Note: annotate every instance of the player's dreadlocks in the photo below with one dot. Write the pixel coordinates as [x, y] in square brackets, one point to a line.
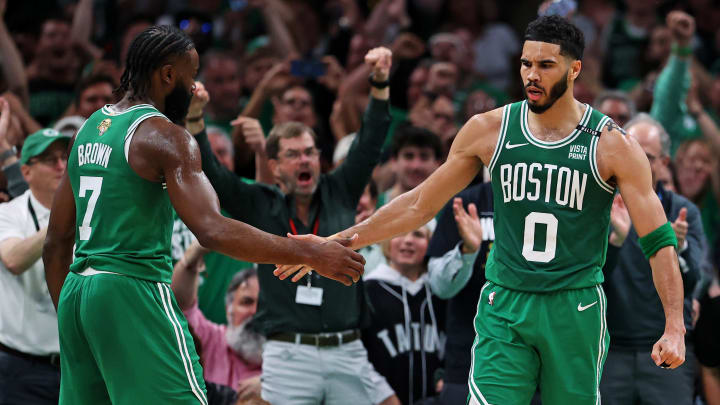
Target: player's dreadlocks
[148, 51]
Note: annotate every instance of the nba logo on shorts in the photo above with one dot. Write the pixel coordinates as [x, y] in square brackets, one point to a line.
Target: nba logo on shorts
[491, 298]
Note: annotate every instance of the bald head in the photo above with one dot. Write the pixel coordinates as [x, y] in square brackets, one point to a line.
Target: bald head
[654, 140]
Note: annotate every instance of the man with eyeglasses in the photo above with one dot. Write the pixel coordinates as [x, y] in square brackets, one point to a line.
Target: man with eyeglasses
[29, 346]
[314, 323]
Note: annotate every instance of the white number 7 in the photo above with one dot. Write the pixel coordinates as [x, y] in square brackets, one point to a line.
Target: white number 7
[93, 184]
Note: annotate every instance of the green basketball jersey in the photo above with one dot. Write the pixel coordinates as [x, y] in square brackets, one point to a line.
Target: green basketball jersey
[124, 222]
[552, 208]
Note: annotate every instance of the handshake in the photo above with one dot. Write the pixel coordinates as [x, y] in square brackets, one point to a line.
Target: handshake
[332, 258]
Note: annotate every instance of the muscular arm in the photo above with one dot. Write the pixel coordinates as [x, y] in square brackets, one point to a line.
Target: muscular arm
[475, 141]
[58, 249]
[621, 157]
[162, 150]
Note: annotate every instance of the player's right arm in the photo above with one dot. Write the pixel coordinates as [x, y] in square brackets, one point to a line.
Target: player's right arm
[162, 151]
[474, 144]
[57, 251]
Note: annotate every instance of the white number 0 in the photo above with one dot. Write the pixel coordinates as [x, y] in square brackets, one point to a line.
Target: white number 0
[548, 254]
[93, 184]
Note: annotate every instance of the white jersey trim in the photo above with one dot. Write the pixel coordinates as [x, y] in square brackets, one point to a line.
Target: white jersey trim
[501, 138]
[555, 144]
[109, 109]
[593, 159]
[133, 127]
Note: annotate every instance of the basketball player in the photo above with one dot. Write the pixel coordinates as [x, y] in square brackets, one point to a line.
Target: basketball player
[123, 338]
[555, 164]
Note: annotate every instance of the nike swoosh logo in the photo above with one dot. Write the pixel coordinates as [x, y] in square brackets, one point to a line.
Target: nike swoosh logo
[582, 308]
[517, 145]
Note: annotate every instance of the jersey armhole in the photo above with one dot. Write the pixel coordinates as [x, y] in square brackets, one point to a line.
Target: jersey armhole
[501, 138]
[593, 158]
[133, 127]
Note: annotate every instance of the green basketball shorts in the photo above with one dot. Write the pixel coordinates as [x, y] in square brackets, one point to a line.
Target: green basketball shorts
[125, 341]
[558, 340]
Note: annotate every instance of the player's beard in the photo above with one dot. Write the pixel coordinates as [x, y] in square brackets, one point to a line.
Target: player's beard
[557, 91]
[177, 104]
[245, 342]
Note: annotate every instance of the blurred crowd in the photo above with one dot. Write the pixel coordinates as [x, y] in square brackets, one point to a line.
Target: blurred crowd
[296, 131]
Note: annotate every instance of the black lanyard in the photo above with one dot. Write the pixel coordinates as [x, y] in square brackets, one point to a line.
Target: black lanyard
[33, 215]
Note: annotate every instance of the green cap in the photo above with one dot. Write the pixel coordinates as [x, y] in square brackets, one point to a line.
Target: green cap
[38, 142]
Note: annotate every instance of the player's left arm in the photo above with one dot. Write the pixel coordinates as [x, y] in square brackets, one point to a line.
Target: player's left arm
[620, 157]
[57, 251]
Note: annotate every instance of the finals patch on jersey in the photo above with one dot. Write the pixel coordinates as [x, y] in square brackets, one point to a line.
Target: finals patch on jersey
[104, 125]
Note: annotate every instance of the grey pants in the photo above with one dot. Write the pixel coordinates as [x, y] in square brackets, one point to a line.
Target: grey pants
[632, 378]
[27, 382]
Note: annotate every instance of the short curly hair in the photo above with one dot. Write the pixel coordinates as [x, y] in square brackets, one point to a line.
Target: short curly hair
[557, 30]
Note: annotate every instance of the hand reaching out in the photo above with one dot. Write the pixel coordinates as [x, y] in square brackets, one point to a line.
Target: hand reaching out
[682, 27]
[469, 225]
[334, 73]
[323, 265]
[5, 118]
[380, 60]
[199, 100]
[620, 221]
[252, 133]
[680, 226]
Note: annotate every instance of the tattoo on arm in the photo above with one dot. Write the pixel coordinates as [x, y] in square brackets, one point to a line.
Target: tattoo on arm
[612, 126]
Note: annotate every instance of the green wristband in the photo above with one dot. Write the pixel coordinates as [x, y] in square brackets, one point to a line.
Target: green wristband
[681, 50]
[663, 236]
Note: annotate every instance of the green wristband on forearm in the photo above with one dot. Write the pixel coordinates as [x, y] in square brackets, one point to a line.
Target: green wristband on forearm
[680, 50]
[663, 236]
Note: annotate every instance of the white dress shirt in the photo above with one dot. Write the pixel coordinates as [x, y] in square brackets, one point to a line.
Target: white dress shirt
[28, 321]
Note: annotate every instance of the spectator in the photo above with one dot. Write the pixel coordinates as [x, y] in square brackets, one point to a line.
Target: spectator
[29, 346]
[92, 93]
[406, 339]
[52, 72]
[616, 105]
[301, 318]
[221, 146]
[231, 354]
[456, 272]
[671, 88]
[696, 167]
[221, 77]
[634, 311]
[416, 153]
[626, 40]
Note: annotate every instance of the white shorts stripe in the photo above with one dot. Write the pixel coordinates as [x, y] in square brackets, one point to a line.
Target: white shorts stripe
[474, 390]
[601, 343]
[187, 362]
[184, 343]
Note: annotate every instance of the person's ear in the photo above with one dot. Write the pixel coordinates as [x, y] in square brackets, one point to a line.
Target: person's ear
[575, 68]
[274, 167]
[168, 75]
